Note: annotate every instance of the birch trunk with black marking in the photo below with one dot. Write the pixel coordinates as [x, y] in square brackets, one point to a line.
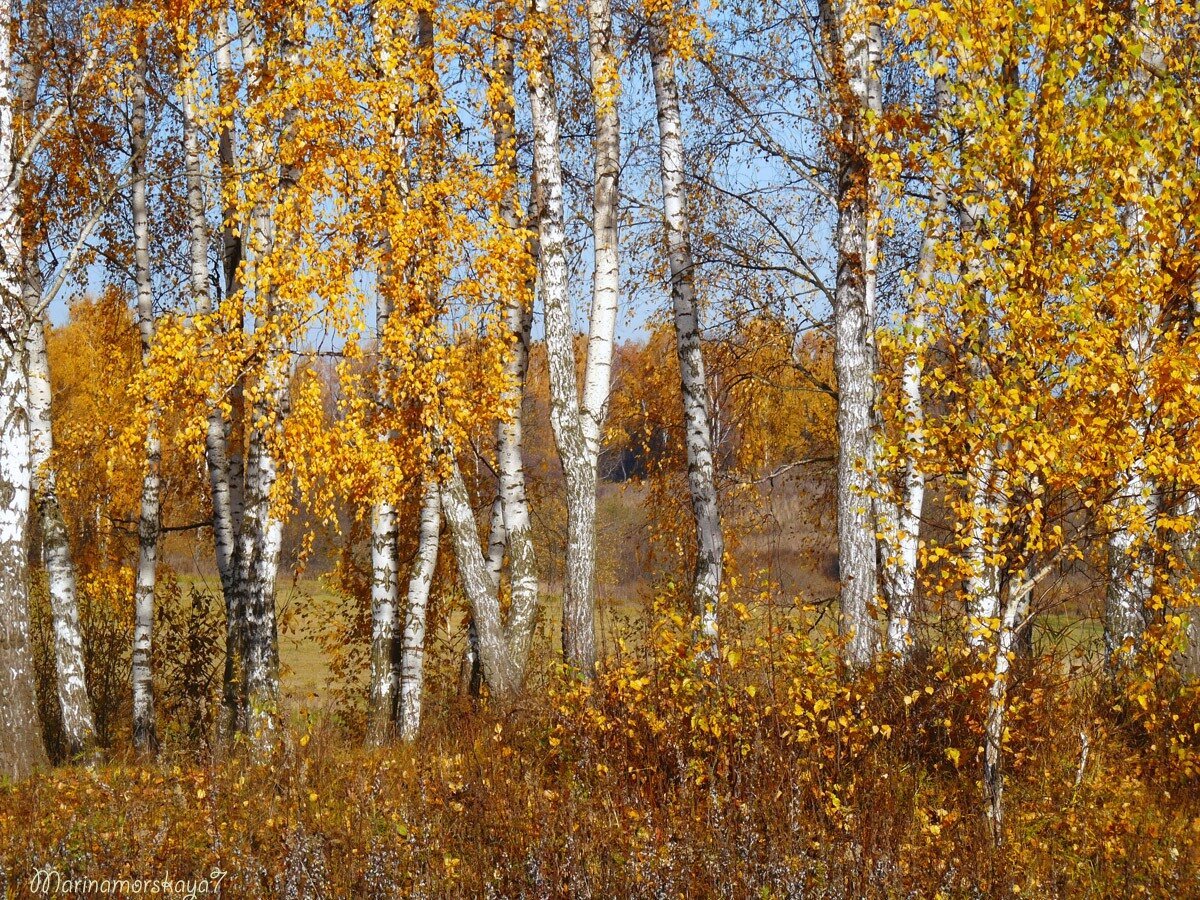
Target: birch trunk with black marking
[515, 521]
[70, 679]
[21, 746]
[901, 523]
[261, 538]
[983, 578]
[145, 736]
[381, 710]
[1014, 620]
[258, 560]
[420, 580]
[1016, 609]
[1133, 510]
[499, 672]
[576, 425]
[848, 54]
[222, 442]
[710, 540]
[1130, 565]
[79, 729]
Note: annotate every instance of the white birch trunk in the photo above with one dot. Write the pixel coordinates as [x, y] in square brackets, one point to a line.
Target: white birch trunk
[1015, 611]
[144, 731]
[510, 463]
[901, 523]
[1133, 510]
[710, 540]
[384, 590]
[567, 417]
[384, 674]
[606, 286]
[902, 527]
[258, 560]
[261, 537]
[216, 438]
[79, 727]
[983, 579]
[496, 541]
[76, 708]
[21, 746]
[420, 580]
[848, 53]
[383, 678]
[223, 438]
[499, 673]
[1130, 566]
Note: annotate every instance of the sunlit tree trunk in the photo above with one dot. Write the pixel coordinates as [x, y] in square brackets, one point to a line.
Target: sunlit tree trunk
[261, 537]
[384, 591]
[79, 728]
[216, 437]
[710, 540]
[499, 671]
[901, 521]
[576, 424]
[1016, 608]
[515, 522]
[261, 541]
[579, 627]
[144, 731]
[420, 580]
[74, 704]
[982, 586]
[1130, 565]
[848, 53]
[223, 437]
[1133, 510]
[21, 746]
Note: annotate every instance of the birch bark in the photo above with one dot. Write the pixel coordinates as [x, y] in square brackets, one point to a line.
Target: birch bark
[21, 747]
[499, 670]
[76, 708]
[1133, 510]
[710, 540]
[1016, 609]
[223, 437]
[384, 593]
[901, 522]
[420, 580]
[384, 675]
[145, 736]
[78, 722]
[576, 424]
[849, 52]
[515, 521]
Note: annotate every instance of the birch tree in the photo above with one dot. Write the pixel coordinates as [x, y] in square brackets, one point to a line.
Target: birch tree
[576, 422]
[75, 705]
[710, 538]
[1134, 507]
[850, 53]
[78, 721]
[145, 736]
[420, 580]
[386, 673]
[21, 747]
